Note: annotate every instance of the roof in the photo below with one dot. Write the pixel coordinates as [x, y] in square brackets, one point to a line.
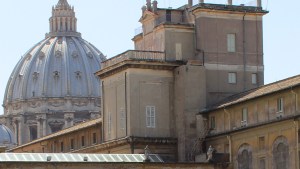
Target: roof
[258, 92]
[68, 158]
[225, 7]
[77, 127]
[6, 136]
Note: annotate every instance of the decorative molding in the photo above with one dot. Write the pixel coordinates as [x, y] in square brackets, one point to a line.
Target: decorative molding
[42, 55]
[16, 106]
[79, 103]
[69, 117]
[56, 123]
[97, 102]
[41, 117]
[34, 104]
[35, 75]
[75, 54]
[31, 122]
[58, 53]
[56, 103]
[90, 55]
[56, 74]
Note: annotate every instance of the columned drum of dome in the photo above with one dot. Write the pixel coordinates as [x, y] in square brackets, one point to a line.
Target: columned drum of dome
[53, 86]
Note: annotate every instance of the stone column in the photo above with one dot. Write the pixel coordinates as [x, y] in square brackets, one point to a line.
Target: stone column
[16, 129]
[41, 126]
[69, 119]
[19, 127]
[58, 24]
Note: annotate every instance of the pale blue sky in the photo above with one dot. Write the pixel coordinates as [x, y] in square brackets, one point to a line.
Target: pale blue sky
[110, 25]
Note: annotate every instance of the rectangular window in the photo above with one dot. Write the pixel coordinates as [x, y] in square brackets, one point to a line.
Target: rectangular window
[231, 42]
[122, 119]
[232, 78]
[82, 141]
[150, 116]
[280, 104]
[262, 163]
[245, 114]
[94, 138]
[61, 146]
[212, 122]
[254, 78]
[72, 144]
[261, 143]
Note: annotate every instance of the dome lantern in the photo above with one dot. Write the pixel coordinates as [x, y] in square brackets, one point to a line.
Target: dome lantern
[63, 21]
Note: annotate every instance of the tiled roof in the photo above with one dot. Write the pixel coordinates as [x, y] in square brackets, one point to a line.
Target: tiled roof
[258, 92]
[77, 127]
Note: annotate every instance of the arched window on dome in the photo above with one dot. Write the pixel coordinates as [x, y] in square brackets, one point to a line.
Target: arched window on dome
[281, 153]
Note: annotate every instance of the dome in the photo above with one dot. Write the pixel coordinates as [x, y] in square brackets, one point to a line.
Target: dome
[7, 138]
[60, 66]
[57, 67]
[53, 86]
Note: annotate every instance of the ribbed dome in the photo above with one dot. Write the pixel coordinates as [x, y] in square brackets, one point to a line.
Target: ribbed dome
[6, 136]
[56, 67]
[60, 67]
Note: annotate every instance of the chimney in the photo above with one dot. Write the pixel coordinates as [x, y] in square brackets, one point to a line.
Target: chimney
[154, 6]
[148, 5]
[201, 1]
[258, 3]
[229, 2]
[190, 3]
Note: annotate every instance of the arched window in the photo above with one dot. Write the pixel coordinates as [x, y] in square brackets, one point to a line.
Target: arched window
[244, 158]
[281, 153]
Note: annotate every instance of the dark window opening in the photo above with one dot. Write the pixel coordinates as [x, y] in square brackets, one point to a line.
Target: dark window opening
[94, 138]
[61, 146]
[33, 132]
[82, 141]
[72, 144]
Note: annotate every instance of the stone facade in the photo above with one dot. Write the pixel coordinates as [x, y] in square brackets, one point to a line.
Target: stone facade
[184, 61]
[258, 128]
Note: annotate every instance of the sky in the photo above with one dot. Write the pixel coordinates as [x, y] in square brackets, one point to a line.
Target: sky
[110, 25]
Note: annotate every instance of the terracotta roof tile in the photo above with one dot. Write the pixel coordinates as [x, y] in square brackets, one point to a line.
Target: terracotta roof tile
[64, 131]
[257, 92]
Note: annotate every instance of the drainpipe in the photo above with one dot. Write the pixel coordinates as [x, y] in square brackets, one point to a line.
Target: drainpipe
[103, 109]
[230, 151]
[228, 136]
[296, 96]
[244, 50]
[126, 112]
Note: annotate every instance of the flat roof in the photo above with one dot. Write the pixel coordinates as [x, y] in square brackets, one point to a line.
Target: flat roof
[74, 158]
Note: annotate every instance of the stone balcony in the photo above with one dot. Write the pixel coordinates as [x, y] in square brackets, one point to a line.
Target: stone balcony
[134, 55]
[137, 58]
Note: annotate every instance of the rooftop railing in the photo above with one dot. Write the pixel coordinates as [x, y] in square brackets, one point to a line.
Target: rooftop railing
[135, 55]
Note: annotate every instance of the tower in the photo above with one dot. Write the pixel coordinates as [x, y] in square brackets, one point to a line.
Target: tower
[185, 60]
